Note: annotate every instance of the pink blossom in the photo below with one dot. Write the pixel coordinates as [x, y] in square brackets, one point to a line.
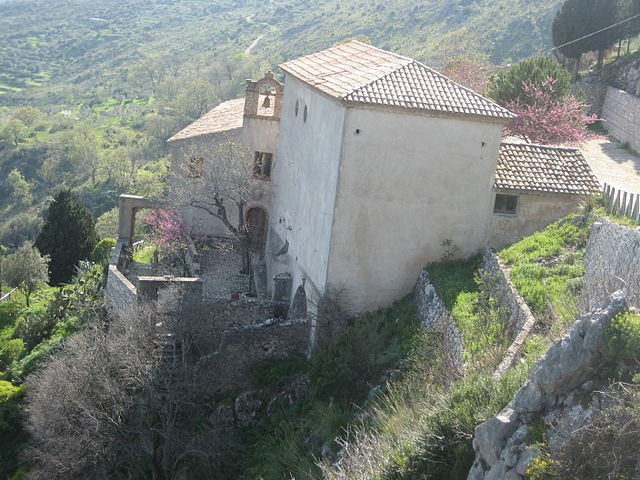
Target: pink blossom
[542, 119]
[168, 226]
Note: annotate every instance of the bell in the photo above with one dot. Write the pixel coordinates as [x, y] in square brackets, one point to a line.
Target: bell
[267, 102]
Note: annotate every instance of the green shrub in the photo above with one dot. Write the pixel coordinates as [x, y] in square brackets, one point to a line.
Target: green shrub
[623, 336]
[10, 350]
[9, 312]
[101, 254]
[34, 327]
[9, 396]
[12, 436]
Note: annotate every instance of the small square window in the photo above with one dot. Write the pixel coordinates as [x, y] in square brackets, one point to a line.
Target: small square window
[505, 204]
[195, 166]
[262, 164]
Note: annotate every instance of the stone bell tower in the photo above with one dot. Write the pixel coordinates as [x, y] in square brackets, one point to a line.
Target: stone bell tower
[263, 99]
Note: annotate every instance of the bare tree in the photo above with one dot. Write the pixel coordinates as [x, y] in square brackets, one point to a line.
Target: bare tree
[121, 402]
[216, 178]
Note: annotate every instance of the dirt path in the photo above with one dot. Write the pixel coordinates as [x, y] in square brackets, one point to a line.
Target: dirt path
[253, 45]
[613, 164]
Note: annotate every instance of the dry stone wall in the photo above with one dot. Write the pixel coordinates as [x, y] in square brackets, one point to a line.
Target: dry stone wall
[612, 262]
[434, 315]
[495, 278]
[621, 110]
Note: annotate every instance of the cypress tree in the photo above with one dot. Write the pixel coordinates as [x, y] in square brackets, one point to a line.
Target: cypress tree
[578, 18]
[67, 236]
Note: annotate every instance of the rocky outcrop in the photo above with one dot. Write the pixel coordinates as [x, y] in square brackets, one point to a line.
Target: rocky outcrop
[623, 74]
[570, 370]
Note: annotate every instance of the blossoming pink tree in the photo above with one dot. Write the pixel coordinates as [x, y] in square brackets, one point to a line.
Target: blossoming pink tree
[545, 120]
[168, 226]
[169, 233]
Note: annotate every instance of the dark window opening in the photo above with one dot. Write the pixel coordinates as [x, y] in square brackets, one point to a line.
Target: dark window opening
[505, 204]
[195, 166]
[262, 164]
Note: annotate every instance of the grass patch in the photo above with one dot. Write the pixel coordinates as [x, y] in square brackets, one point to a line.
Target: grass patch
[451, 279]
[547, 268]
[145, 254]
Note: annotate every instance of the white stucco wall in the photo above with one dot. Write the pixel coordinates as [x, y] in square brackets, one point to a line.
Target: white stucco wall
[407, 183]
[533, 213]
[305, 178]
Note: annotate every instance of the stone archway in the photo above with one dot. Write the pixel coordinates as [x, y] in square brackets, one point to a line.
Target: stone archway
[299, 305]
[256, 222]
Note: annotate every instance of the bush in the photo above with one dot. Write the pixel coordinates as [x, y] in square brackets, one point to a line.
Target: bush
[21, 228]
[10, 350]
[101, 254]
[606, 446]
[12, 437]
[507, 86]
[623, 336]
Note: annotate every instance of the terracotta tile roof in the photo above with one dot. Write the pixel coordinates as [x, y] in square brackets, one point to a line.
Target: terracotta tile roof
[362, 74]
[542, 168]
[226, 116]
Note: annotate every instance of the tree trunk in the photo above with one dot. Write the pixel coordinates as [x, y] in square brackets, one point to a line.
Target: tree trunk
[619, 47]
[244, 251]
[576, 68]
[244, 238]
[600, 58]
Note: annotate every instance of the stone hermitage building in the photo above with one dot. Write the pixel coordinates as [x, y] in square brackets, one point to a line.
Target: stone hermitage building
[372, 165]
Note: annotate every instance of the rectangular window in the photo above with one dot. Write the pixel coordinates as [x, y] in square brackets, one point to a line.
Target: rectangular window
[195, 166]
[262, 164]
[505, 204]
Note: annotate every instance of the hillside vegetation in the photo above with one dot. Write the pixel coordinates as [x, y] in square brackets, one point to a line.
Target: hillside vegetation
[51, 47]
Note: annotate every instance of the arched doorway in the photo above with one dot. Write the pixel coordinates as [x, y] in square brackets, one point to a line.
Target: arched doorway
[299, 305]
[257, 226]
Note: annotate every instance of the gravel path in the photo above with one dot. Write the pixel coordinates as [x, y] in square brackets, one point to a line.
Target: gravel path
[613, 164]
[220, 273]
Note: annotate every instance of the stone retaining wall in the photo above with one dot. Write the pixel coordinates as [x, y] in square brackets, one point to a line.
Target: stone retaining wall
[434, 315]
[495, 277]
[594, 95]
[621, 110]
[612, 262]
[120, 293]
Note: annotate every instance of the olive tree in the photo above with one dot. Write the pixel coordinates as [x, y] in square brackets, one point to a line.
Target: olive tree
[26, 269]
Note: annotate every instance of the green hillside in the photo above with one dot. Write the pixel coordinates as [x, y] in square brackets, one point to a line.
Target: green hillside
[49, 48]
[113, 79]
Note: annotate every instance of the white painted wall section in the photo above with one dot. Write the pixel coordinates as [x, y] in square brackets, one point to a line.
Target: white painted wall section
[408, 182]
[305, 179]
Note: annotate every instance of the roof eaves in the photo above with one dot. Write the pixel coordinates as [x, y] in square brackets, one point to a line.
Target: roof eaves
[204, 134]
